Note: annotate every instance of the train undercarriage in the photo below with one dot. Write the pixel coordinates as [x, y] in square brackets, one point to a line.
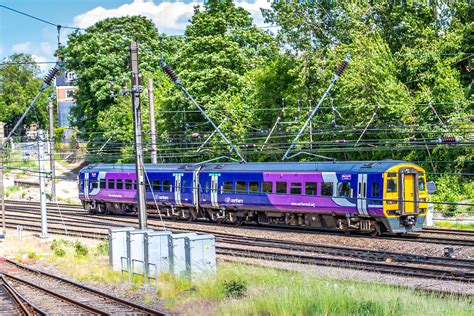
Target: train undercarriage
[348, 224]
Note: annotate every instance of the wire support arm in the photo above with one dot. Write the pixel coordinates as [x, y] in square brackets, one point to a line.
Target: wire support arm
[316, 108]
[174, 78]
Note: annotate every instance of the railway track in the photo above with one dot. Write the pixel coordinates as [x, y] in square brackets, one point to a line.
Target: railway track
[67, 209]
[13, 303]
[56, 295]
[263, 248]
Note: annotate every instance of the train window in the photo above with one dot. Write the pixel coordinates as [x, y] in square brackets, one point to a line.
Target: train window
[183, 185]
[375, 189]
[207, 186]
[344, 189]
[95, 185]
[421, 184]
[128, 184]
[281, 187]
[311, 188]
[111, 184]
[102, 183]
[119, 184]
[147, 186]
[391, 185]
[134, 185]
[167, 187]
[156, 185]
[295, 188]
[327, 189]
[227, 187]
[392, 175]
[241, 187]
[267, 187]
[253, 187]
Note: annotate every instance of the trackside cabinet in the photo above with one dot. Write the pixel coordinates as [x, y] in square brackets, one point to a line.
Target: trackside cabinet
[200, 254]
[136, 250]
[178, 260]
[118, 246]
[158, 251]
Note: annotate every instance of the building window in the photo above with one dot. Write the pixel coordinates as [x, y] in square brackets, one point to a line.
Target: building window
[69, 94]
[311, 188]
[327, 189]
[281, 187]
[71, 75]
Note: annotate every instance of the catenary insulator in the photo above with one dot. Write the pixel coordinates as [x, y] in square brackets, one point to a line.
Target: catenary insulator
[342, 67]
[169, 71]
[52, 73]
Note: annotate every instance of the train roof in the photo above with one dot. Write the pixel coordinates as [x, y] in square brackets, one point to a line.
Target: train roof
[346, 166]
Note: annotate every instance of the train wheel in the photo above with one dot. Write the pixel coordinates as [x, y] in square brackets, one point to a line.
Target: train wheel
[376, 232]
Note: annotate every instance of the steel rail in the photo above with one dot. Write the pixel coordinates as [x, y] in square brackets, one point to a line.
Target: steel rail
[415, 238]
[352, 264]
[134, 306]
[25, 305]
[364, 254]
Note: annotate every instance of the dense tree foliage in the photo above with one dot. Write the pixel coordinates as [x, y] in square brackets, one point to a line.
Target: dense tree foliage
[411, 63]
[19, 83]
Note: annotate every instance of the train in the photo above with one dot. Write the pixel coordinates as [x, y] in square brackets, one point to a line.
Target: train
[371, 197]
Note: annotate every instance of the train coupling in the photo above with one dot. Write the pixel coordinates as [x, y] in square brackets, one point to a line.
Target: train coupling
[408, 221]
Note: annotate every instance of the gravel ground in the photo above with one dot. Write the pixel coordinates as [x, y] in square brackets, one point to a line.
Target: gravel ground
[416, 247]
[356, 275]
[29, 241]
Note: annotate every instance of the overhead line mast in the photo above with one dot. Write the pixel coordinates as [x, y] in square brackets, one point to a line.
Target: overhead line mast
[174, 78]
[316, 108]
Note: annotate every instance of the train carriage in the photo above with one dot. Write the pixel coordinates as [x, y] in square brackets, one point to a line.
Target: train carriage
[372, 197]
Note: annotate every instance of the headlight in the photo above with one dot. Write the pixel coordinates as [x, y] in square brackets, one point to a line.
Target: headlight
[423, 200]
[391, 202]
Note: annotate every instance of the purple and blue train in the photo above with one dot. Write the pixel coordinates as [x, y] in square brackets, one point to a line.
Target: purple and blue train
[371, 196]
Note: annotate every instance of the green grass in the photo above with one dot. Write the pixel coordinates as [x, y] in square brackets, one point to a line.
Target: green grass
[10, 190]
[240, 289]
[277, 292]
[456, 225]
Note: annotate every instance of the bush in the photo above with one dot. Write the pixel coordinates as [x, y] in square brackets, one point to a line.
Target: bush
[234, 288]
[103, 248]
[59, 252]
[80, 249]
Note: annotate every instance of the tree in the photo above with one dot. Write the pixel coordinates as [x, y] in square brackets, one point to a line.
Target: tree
[221, 47]
[19, 83]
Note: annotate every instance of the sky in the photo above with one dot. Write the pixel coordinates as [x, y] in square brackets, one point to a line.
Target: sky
[21, 34]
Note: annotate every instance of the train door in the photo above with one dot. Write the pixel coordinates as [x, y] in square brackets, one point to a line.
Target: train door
[214, 189]
[196, 187]
[86, 186]
[362, 194]
[177, 188]
[409, 192]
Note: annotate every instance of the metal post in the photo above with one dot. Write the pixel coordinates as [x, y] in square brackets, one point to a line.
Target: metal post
[137, 128]
[2, 189]
[41, 174]
[316, 108]
[310, 127]
[51, 150]
[151, 107]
